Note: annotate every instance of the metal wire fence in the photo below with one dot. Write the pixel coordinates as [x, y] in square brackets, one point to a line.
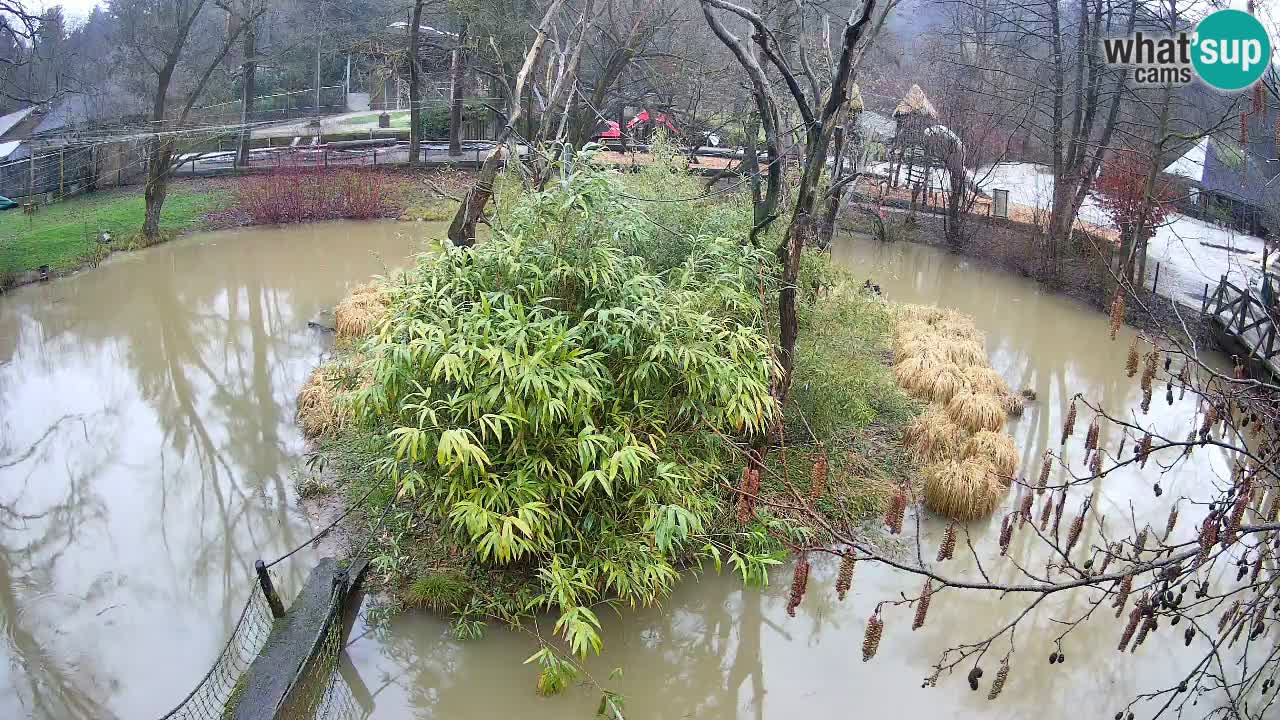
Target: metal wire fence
[320, 690]
[218, 689]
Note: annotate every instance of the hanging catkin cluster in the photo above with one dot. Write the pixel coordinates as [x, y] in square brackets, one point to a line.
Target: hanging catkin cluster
[948, 548]
[1091, 437]
[1095, 464]
[1210, 419]
[1045, 513]
[1131, 364]
[747, 499]
[844, 580]
[799, 583]
[1148, 625]
[1044, 474]
[1135, 616]
[897, 511]
[1117, 312]
[1073, 535]
[922, 606]
[1006, 535]
[818, 476]
[1237, 511]
[1173, 520]
[1024, 509]
[1122, 594]
[997, 685]
[1143, 451]
[1149, 370]
[871, 641]
[1069, 424]
[1057, 511]
[1208, 535]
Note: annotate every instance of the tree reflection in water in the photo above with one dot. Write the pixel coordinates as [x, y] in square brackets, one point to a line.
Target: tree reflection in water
[130, 529]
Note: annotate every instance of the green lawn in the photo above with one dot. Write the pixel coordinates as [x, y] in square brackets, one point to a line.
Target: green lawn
[61, 235]
[399, 119]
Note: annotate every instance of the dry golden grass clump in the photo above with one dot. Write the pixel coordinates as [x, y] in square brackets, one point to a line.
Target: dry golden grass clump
[359, 313]
[933, 436]
[1014, 405]
[975, 411]
[940, 359]
[319, 410]
[322, 407]
[963, 489]
[996, 447]
[964, 353]
[945, 384]
[983, 379]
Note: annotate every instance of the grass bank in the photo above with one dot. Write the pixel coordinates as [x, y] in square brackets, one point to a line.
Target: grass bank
[64, 235]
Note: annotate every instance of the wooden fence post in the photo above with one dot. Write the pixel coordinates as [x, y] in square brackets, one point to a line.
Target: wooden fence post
[269, 589]
[61, 173]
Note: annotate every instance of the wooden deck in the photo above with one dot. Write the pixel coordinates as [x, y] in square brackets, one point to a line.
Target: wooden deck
[1244, 325]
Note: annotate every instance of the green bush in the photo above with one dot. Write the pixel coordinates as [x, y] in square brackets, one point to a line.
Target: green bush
[557, 404]
[435, 118]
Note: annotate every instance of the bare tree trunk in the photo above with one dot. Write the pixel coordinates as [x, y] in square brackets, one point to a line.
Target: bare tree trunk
[415, 102]
[457, 70]
[157, 188]
[827, 228]
[462, 230]
[162, 147]
[248, 92]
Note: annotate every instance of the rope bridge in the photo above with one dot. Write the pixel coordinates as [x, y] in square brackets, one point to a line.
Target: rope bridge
[287, 664]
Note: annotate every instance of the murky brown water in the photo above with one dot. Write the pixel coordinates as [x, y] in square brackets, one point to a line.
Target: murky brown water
[146, 444]
[145, 457]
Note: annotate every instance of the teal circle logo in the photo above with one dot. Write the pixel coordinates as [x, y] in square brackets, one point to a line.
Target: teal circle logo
[1232, 50]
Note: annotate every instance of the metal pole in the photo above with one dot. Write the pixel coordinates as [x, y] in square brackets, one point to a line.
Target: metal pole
[318, 36]
[269, 589]
[1156, 282]
[61, 172]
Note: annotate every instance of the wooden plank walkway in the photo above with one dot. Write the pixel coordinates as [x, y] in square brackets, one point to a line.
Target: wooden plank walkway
[1244, 325]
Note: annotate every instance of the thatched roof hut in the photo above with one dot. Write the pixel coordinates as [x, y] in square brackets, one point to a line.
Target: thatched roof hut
[915, 103]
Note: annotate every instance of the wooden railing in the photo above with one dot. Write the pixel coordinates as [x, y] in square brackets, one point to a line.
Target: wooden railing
[1243, 315]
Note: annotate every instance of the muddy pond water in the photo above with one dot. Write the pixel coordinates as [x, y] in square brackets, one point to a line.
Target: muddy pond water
[147, 452]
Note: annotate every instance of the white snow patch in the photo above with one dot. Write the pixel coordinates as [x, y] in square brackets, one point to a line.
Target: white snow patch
[1183, 246]
[1190, 165]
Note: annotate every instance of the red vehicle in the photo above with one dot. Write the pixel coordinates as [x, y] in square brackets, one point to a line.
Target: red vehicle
[639, 128]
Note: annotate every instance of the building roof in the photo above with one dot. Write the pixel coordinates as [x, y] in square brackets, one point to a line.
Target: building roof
[915, 103]
[7, 122]
[874, 125]
[1190, 165]
[71, 110]
[1240, 174]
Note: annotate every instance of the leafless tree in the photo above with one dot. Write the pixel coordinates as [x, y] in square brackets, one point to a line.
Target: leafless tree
[157, 35]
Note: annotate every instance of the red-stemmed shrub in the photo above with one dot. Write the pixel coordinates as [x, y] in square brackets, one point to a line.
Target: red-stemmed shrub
[300, 194]
[1121, 190]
